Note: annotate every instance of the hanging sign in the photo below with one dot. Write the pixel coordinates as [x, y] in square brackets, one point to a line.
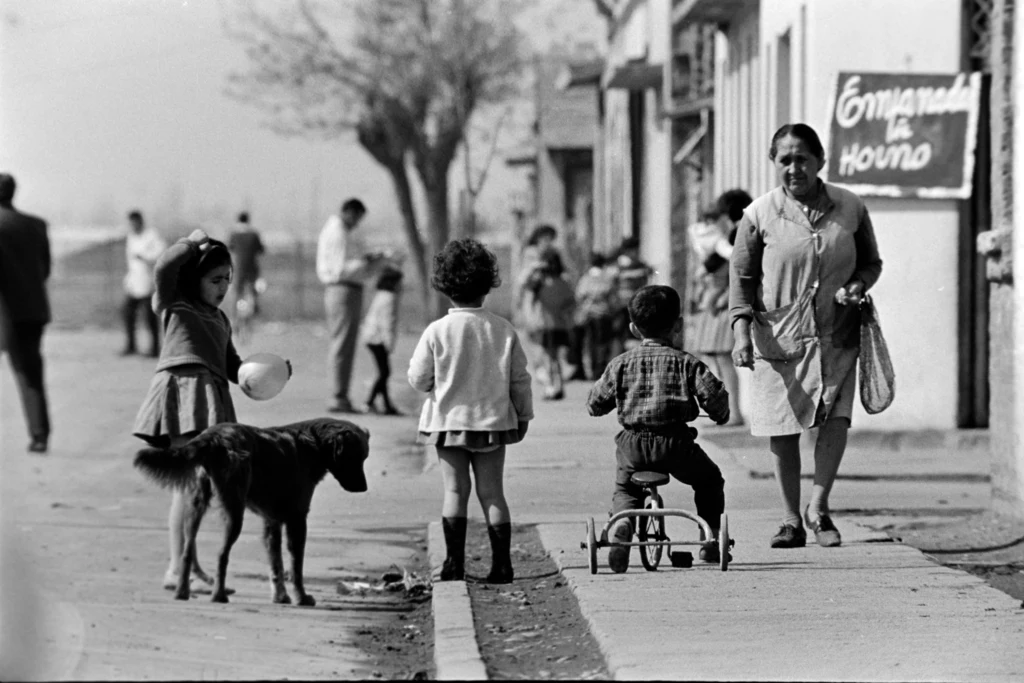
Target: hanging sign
[904, 135]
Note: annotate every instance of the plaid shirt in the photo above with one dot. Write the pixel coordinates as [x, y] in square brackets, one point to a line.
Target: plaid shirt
[657, 388]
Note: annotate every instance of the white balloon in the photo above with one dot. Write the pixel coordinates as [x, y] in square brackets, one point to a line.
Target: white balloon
[262, 376]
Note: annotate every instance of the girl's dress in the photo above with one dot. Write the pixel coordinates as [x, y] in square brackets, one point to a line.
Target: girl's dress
[711, 332]
[189, 391]
[472, 367]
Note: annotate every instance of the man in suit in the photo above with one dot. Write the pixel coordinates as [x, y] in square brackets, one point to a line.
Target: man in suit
[25, 307]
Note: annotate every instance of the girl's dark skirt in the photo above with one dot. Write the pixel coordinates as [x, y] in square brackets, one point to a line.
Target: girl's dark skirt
[181, 401]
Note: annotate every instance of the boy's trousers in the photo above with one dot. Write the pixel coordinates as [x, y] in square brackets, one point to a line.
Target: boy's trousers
[674, 454]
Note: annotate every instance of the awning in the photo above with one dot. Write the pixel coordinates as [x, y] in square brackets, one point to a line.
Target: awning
[710, 11]
[580, 75]
[633, 75]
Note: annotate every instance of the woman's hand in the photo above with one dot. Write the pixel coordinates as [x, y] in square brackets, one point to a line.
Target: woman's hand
[851, 293]
[743, 347]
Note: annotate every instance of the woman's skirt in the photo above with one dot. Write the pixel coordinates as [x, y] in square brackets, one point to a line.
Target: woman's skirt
[181, 401]
[475, 441]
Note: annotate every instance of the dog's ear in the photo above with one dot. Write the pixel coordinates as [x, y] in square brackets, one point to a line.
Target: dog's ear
[351, 448]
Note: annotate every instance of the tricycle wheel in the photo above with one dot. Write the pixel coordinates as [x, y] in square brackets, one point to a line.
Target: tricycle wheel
[591, 546]
[723, 543]
[651, 529]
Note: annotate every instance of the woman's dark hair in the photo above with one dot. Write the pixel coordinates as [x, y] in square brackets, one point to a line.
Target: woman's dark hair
[732, 202]
[801, 131]
[629, 243]
[353, 205]
[552, 261]
[465, 271]
[654, 309]
[389, 279]
[215, 254]
[541, 231]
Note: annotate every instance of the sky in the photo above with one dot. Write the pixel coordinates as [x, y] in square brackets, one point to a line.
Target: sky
[110, 105]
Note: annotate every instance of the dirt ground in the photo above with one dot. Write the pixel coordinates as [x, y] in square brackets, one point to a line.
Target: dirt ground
[403, 647]
[981, 543]
[531, 629]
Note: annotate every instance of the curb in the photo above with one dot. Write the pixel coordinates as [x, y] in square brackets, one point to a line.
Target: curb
[456, 655]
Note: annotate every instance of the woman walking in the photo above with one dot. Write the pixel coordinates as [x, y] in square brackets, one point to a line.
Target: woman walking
[805, 254]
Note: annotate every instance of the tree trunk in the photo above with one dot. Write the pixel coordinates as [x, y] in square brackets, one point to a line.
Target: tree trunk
[438, 226]
[403, 191]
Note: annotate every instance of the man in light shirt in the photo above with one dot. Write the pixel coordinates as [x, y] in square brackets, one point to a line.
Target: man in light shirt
[342, 267]
[142, 248]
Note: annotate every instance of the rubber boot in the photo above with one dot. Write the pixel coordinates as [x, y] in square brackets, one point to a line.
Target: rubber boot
[501, 553]
[454, 567]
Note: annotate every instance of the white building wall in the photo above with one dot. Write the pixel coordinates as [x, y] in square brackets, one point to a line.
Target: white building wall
[655, 232]
[918, 239]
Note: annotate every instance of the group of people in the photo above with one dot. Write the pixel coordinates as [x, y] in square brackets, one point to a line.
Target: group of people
[143, 246]
[803, 256]
[579, 327]
[800, 259]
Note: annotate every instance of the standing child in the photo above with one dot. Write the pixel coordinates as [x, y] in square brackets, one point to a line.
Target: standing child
[380, 329]
[473, 369]
[548, 307]
[190, 389]
[596, 305]
[657, 388]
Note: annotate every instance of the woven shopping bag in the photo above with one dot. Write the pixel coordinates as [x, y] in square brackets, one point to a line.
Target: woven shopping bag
[877, 379]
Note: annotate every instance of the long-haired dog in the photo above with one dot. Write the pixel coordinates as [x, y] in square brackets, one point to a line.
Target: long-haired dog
[271, 471]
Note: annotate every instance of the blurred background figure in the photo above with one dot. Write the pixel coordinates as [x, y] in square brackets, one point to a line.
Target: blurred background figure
[631, 274]
[143, 247]
[380, 330]
[711, 331]
[245, 246]
[548, 305]
[342, 267]
[596, 305]
[25, 308]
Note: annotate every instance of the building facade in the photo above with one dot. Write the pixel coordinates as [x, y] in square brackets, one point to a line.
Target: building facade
[951, 319]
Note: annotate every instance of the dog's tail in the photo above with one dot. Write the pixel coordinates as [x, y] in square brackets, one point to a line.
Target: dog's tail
[169, 467]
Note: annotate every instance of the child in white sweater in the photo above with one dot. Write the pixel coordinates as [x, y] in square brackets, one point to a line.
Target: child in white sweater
[472, 366]
[379, 332]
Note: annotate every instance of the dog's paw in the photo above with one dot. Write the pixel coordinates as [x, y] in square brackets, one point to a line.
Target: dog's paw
[219, 597]
[282, 599]
[307, 601]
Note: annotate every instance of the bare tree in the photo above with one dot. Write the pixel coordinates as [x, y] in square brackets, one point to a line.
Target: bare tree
[405, 75]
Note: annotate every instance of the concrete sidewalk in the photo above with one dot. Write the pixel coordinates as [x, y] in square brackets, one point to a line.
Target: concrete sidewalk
[869, 610]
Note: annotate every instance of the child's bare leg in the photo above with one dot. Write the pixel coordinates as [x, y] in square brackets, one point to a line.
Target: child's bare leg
[457, 487]
[489, 473]
[176, 533]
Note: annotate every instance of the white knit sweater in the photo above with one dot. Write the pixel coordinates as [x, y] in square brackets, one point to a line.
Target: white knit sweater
[472, 366]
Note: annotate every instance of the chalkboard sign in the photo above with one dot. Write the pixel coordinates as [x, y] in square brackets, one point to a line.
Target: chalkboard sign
[904, 135]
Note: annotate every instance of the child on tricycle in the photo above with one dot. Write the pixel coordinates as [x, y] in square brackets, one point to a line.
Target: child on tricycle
[658, 389]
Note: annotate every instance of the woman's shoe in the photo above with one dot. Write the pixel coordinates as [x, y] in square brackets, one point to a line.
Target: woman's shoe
[789, 536]
[825, 532]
